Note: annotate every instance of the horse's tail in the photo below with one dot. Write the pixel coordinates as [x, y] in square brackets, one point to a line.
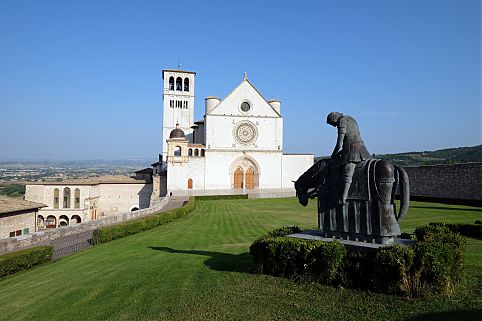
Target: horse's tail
[404, 188]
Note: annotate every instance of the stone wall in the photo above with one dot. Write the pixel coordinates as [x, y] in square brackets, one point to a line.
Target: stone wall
[457, 181]
[45, 237]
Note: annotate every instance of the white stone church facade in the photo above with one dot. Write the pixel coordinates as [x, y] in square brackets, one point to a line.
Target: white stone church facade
[237, 145]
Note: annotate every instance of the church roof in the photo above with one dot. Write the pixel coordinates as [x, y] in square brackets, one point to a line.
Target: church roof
[11, 204]
[177, 132]
[245, 79]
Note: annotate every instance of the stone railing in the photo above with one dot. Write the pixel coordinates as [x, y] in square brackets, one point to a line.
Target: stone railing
[46, 237]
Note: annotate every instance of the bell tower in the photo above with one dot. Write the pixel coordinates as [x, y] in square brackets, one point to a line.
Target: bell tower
[178, 104]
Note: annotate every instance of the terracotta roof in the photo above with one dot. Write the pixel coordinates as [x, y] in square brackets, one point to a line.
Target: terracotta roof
[118, 179]
[10, 204]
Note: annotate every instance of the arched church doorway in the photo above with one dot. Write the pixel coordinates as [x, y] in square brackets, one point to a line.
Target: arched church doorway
[244, 172]
[238, 178]
[189, 183]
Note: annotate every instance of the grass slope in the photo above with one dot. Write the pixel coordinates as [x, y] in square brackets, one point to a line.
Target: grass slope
[197, 268]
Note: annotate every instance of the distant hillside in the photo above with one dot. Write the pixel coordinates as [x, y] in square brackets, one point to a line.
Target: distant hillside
[442, 156]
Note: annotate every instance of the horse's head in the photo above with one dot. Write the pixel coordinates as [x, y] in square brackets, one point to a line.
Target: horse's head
[301, 192]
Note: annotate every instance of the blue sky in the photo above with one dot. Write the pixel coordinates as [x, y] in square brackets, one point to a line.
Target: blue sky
[81, 79]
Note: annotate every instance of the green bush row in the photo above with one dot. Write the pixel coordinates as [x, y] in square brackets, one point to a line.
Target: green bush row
[11, 263]
[110, 233]
[222, 197]
[470, 230]
[432, 266]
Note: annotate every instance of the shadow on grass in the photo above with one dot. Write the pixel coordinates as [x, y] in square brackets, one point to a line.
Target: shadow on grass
[448, 208]
[217, 261]
[457, 315]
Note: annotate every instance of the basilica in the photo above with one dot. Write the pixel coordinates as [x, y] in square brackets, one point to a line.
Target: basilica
[238, 144]
[237, 147]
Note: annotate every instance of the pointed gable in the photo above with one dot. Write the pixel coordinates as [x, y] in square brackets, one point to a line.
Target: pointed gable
[245, 92]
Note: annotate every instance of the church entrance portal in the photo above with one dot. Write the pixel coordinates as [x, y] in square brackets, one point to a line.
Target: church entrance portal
[244, 173]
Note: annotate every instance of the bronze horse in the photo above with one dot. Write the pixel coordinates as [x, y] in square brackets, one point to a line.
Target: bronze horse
[370, 211]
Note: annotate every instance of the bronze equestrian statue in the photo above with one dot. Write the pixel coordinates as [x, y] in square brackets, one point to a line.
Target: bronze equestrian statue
[355, 192]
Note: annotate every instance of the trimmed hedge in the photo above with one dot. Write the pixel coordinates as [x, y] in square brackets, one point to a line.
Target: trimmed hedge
[431, 267]
[222, 197]
[469, 230]
[110, 233]
[14, 262]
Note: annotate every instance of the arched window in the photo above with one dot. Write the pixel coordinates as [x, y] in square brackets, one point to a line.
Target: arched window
[189, 152]
[177, 151]
[66, 197]
[63, 220]
[40, 221]
[56, 198]
[179, 83]
[77, 198]
[202, 152]
[171, 83]
[196, 152]
[51, 221]
[186, 84]
[75, 219]
[189, 183]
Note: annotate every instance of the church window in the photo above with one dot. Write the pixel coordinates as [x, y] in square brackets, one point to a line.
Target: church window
[196, 152]
[171, 103]
[171, 83]
[77, 198]
[186, 84]
[245, 106]
[66, 198]
[202, 152]
[179, 84]
[56, 198]
[189, 183]
[177, 151]
[187, 104]
[189, 152]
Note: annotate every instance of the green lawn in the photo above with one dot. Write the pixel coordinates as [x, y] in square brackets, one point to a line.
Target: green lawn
[197, 268]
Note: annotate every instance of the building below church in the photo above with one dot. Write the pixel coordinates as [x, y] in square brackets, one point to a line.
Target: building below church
[74, 201]
[238, 145]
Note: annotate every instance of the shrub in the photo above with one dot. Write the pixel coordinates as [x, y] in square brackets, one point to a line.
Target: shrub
[277, 255]
[470, 230]
[439, 258]
[110, 233]
[392, 269]
[432, 266]
[222, 197]
[25, 259]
